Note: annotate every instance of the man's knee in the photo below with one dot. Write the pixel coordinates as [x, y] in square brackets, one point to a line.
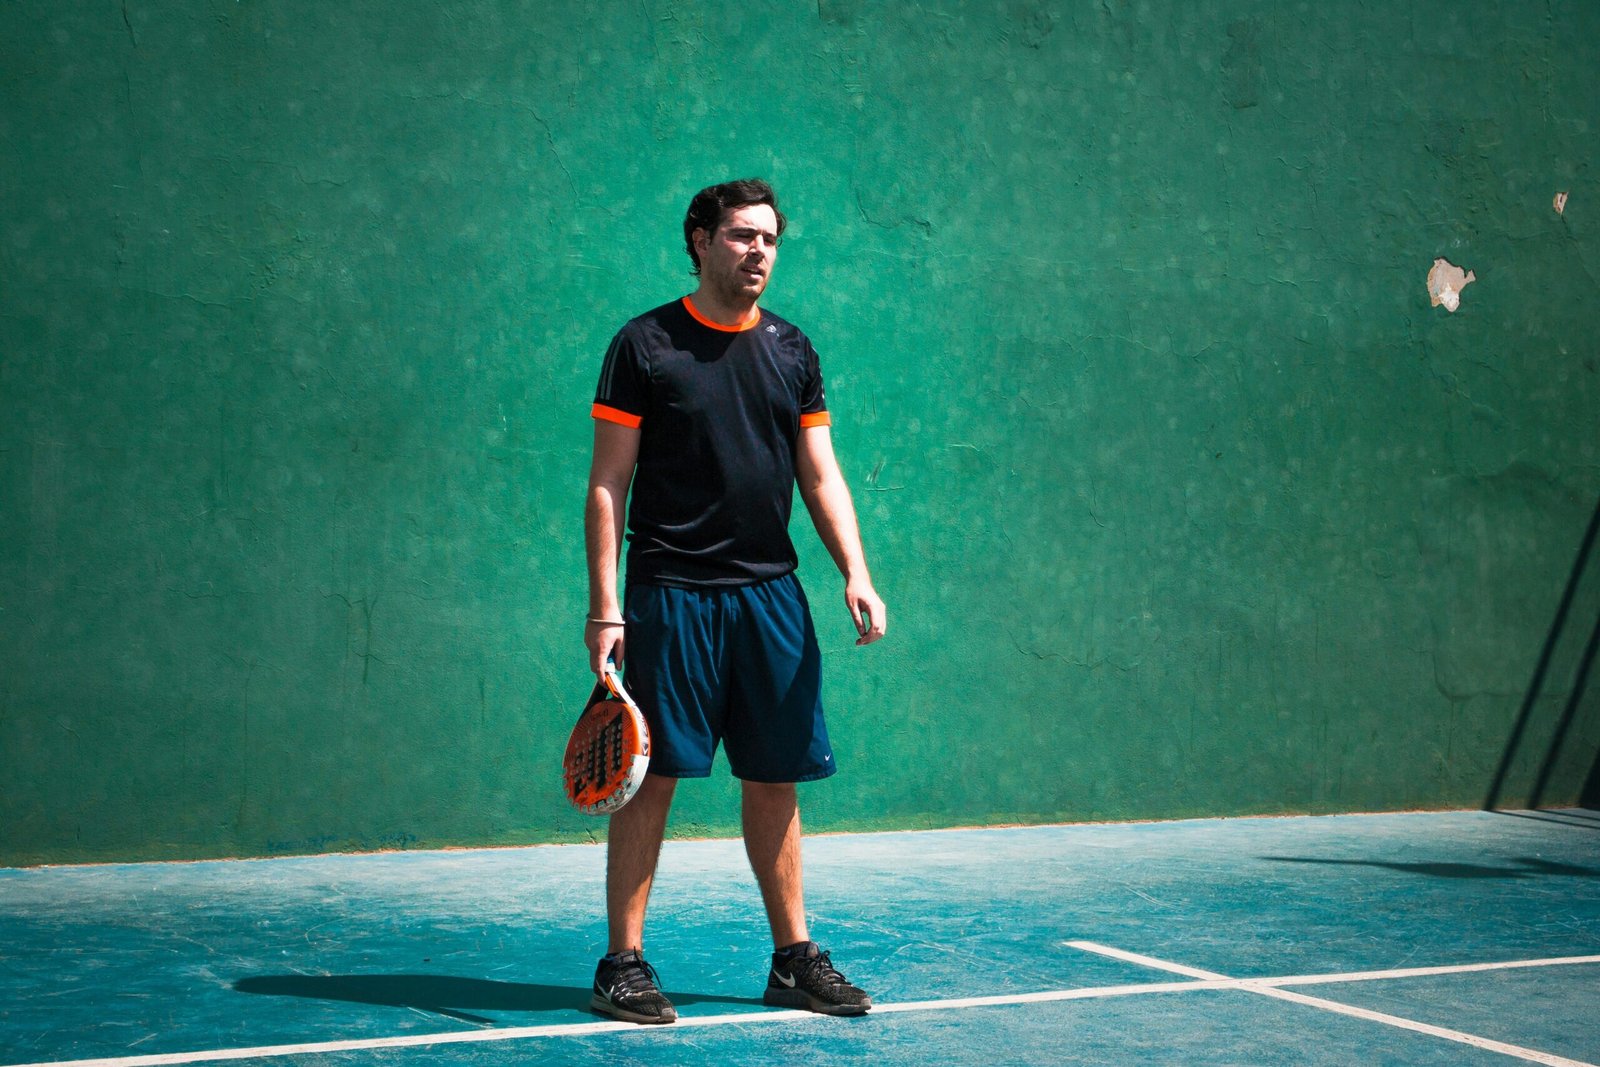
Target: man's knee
[770, 795]
[657, 786]
[650, 804]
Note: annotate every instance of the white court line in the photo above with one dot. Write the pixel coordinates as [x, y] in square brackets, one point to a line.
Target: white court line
[1331, 978]
[1421, 972]
[1200, 980]
[1269, 987]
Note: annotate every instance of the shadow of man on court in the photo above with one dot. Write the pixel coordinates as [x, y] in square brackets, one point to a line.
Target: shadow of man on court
[457, 998]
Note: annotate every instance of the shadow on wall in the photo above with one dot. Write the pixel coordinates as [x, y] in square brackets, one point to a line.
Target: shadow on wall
[1589, 795]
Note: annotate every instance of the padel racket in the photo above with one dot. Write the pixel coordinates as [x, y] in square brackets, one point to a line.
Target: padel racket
[609, 749]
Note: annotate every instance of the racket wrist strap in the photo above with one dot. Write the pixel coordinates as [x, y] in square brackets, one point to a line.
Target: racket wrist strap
[605, 622]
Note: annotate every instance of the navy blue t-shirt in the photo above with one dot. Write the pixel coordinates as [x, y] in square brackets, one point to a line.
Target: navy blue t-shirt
[719, 410]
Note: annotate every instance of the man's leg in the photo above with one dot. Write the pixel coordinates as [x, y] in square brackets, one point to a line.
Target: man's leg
[632, 849]
[776, 731]
[625, 986]
[802, 976]
[772, 841]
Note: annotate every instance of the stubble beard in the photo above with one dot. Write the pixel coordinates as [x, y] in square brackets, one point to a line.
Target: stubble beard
[735, 288]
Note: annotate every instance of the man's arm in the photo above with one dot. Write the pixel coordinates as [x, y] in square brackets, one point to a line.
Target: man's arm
[616, 450]
[827, 498]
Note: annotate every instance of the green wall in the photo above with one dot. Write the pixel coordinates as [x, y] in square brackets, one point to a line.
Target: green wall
[1184, 499]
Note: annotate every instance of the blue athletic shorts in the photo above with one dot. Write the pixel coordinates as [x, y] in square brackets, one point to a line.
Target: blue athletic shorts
[737, 665]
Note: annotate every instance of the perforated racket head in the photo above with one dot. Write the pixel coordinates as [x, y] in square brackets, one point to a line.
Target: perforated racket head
[609, 750]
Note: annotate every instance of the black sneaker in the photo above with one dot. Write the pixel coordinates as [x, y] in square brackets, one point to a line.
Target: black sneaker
[625, 988]
[808, 980]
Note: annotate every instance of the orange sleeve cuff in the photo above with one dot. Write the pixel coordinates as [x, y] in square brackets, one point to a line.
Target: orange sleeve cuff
[816, 418]
[621, 418]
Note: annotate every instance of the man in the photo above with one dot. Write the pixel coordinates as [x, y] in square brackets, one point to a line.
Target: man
[713, 410]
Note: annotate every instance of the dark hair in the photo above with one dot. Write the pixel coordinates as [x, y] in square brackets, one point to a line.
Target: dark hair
[711, 205]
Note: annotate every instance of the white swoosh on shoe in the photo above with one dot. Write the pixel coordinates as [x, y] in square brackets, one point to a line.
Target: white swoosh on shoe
[785, 979]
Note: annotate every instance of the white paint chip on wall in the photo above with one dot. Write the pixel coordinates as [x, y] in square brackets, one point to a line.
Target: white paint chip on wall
[1445, 282]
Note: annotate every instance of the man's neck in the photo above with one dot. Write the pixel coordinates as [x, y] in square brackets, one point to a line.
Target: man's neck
[720, 311]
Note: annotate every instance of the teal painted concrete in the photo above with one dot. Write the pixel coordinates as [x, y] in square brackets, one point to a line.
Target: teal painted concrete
[1184, 498]
[146, 959]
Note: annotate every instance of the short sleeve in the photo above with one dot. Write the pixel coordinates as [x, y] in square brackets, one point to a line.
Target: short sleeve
[813, 404]
[622, 394]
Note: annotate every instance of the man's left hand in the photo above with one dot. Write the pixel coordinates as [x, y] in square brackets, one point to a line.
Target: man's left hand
[866, 610]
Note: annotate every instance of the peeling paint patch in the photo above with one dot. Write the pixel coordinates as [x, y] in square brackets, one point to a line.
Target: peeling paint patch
[1241, 65]
[1445, 282]
[1560, 203]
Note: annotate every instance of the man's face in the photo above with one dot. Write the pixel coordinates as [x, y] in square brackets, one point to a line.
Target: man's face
[736, 260]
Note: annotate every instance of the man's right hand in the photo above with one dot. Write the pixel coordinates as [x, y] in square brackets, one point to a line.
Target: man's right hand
[605, 642]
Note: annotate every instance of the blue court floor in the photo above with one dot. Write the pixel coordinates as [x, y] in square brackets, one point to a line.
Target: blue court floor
[1460, 938]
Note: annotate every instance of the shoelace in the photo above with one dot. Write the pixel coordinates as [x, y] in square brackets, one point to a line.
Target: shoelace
[819, 969]
[635, 976]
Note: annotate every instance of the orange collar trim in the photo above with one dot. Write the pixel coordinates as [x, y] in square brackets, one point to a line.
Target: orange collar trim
[754, 319]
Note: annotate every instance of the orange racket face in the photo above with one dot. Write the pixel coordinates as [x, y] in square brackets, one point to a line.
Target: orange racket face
[607, 756]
